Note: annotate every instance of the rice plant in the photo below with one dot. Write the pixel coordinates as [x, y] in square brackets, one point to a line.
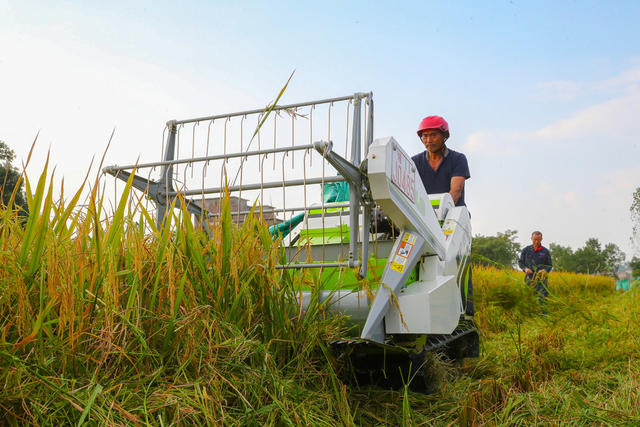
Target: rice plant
[106, 318]
[115, 320]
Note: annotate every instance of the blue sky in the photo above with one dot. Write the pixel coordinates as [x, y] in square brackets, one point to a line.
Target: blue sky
[543, 97]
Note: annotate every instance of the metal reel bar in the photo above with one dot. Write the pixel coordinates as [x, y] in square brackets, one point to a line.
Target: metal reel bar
[221, 142]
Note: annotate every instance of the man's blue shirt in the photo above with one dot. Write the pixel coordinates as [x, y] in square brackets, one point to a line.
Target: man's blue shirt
[439, 181]
[535, 259]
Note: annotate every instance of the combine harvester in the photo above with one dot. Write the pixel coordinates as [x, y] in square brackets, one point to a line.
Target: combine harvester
[390, 257]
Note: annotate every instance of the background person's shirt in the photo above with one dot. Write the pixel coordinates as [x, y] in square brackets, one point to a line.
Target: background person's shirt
[539, 259]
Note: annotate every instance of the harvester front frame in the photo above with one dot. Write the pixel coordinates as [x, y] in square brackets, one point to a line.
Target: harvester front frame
[420, 266]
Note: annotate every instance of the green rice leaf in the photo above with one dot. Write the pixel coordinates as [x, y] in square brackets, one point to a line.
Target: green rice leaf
[34, 214]
[226, 225]
[96, 391]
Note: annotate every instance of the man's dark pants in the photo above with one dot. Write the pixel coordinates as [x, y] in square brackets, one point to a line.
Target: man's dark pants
[540, 286]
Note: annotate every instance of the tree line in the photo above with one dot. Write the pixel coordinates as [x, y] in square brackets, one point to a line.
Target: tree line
[593, 258]
[634, 264]
[9, 178]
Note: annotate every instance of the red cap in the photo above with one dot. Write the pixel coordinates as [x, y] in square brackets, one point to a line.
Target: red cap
[434, 122]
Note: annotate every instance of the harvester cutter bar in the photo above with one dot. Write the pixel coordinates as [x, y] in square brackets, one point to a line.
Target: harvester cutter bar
[434, 342]
[392, 365]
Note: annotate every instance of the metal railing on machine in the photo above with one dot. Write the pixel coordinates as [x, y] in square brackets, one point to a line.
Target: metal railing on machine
[236, 160]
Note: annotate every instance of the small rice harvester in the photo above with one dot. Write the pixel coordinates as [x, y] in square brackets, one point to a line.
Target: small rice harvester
[353, 218]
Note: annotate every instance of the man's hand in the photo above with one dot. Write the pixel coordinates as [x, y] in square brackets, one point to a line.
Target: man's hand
[528, 270]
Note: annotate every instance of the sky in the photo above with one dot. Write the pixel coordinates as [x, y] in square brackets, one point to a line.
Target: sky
[542, 97]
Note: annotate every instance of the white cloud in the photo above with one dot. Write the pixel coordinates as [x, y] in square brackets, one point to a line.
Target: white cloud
[620, 183]
[627, 79]
[497, 144]
[564, 202]
[476, 142]
[570, 198]
[614, 118]
[569, 89]
[75, 96]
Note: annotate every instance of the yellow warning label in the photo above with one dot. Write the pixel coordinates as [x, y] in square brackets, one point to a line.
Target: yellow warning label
[447, 233]
[404, 251]
[400, 260]
[397, 267]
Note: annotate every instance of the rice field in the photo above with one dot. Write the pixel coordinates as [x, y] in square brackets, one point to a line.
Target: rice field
[107, 320]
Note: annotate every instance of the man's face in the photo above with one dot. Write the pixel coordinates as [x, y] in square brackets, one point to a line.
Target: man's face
[432, 139]
[536, 239]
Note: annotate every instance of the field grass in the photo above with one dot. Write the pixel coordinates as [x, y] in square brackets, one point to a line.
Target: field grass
[105, 319]
[576, 366]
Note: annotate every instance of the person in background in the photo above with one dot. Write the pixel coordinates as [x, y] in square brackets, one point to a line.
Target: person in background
[443, 170]
[535, 261]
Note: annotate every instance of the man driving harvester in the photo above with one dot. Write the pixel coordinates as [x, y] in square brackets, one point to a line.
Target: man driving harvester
[443, 170]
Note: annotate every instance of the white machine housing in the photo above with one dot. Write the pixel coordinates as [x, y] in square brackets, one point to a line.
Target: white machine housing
[433, 304]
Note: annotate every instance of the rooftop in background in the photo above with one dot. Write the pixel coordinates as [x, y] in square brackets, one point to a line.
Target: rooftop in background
[240, 209]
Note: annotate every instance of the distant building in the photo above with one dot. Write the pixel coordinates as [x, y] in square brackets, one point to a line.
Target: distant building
[239, 209]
